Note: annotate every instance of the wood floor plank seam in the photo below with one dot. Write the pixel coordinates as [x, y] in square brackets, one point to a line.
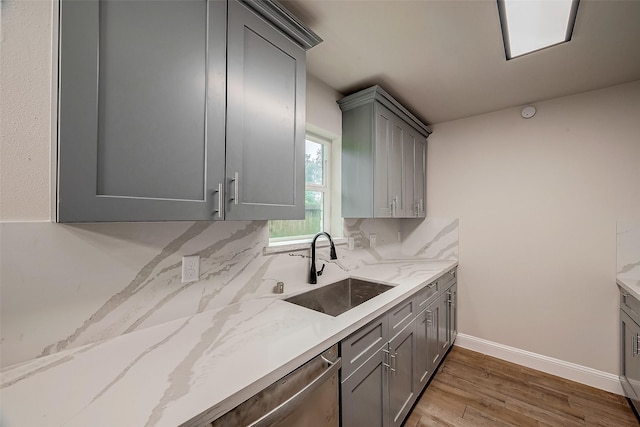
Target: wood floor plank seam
[471, 389]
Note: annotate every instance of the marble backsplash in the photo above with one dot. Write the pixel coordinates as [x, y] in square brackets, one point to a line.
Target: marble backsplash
[628, 249]
[63, 286]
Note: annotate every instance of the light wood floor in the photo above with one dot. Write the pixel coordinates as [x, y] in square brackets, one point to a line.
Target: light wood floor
[472, 389]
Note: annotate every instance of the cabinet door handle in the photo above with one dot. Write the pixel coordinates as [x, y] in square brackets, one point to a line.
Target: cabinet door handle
[235, 188]
[429, 317]
[219, 191]
[385, 362]
[432, 284]
[634, 344]
[394, 362]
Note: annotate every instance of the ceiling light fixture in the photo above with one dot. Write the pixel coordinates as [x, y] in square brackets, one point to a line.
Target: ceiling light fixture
[531, 25]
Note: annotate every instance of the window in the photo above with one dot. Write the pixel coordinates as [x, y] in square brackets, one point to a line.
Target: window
[531, 25]
[317, 195]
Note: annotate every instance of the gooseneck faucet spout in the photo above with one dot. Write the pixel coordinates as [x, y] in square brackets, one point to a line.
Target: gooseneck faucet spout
[313, 275]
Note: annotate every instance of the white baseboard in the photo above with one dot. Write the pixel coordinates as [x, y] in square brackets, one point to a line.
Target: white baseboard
[571, 371]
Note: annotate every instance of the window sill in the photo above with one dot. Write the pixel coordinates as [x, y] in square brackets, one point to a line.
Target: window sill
[300, 245]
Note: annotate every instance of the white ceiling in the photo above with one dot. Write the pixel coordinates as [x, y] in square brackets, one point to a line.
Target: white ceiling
[445, 60]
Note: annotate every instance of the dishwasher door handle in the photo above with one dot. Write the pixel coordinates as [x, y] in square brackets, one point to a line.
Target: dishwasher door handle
[288, 406]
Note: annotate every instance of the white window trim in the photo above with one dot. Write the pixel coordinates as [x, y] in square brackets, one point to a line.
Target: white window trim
[332, 223]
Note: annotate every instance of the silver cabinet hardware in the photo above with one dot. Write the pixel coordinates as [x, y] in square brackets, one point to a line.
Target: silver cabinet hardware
[432, 284]
[429, 317]
[220, 207]
[235, 188]
[385, 362]
[394, 362]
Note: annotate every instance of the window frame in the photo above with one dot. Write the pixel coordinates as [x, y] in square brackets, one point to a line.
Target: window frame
[324, 188]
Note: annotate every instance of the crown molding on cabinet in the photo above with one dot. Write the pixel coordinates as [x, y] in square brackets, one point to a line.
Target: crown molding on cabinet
[376, 93]
[281, 18]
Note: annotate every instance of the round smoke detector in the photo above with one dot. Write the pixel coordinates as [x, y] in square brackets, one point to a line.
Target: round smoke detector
[528, 112]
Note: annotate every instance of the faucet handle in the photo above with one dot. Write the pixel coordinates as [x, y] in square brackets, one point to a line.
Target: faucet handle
[321, 270]
[333, 254]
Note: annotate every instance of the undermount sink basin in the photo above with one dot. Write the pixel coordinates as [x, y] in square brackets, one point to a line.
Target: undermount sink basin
[338, 297]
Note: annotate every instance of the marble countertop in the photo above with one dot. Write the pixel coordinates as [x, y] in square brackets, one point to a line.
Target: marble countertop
[200, 366]
[630, 284]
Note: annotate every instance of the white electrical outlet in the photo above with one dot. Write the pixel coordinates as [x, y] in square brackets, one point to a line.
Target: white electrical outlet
[190, 268]
[372, 240]
[351, 243]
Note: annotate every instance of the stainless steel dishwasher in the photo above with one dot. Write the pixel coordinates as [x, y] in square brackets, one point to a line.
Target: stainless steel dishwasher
[306, 397]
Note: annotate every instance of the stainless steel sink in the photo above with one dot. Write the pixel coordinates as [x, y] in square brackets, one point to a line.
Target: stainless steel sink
[338, 297]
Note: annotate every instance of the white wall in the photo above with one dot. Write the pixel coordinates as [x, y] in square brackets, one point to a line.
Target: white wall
[538, 201]
[25, 84]
[322, 109]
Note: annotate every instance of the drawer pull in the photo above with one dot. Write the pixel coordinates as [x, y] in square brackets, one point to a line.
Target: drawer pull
[219, 191]
[385, 362]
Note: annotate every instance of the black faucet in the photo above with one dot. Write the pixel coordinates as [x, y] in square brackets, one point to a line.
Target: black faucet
[313, 275]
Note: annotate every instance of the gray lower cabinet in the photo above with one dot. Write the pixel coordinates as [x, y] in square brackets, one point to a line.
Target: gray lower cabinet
[630, 347]
[364, 396]
[452, 313]
[383, 157]
[382, 377]
[403, 389]
[180, 110]
[428, 350]
[382, 390]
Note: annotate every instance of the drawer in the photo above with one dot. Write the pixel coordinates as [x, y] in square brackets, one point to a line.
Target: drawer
[631, 305]
[426, 295]
[401, 315]
[447, 278]
[362, 344]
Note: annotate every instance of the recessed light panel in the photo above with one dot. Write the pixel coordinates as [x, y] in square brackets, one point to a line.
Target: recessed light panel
[531, 25]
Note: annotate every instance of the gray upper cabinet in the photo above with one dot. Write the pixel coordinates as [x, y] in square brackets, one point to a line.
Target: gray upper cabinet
[265, 154]
[141, 113]
[383, 157]
[162, 102]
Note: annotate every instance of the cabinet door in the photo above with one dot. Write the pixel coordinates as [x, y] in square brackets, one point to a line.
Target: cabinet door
[265, 120]
[409, 169]
[382, 193]
[364, 395]
[141, 110]
[420, 175]
[434, 339]
[443, 327]
[396, 167]
[452, 313]
[630, 354]
[402, 380]
[423, 363]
